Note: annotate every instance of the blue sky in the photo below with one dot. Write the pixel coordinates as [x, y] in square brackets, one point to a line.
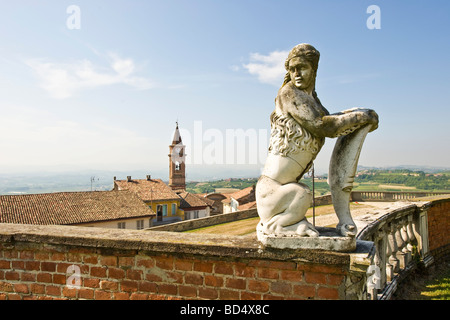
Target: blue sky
[106, 96]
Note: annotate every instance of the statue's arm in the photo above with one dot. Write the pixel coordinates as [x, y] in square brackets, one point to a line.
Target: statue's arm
[329, 125]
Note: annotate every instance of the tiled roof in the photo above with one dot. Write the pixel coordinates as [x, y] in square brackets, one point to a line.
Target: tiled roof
[242, 193]
[248, 205]
[148, 190]
[64, 208]
[190, 200]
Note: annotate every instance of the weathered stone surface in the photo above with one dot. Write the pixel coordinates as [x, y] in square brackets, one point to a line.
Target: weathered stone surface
[299, 126]
[328, 239]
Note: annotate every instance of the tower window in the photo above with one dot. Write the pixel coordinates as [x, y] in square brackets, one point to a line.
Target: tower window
[177, 166]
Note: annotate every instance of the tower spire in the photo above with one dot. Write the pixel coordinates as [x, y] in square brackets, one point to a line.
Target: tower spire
[177, 174]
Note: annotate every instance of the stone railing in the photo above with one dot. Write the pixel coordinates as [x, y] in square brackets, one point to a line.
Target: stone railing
[391, 195]
[401, 238]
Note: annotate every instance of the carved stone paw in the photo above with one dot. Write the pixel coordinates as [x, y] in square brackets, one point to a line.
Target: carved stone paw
[346, 230]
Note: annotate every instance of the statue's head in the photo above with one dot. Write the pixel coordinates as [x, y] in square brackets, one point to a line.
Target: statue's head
[301, 66]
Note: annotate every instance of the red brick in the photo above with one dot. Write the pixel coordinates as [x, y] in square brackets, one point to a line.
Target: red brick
[12, 275]
[59, 279]
[32, 265]
[11, 254]
[108, 261]
[213, 281]
[62, 267]
[69, 292]
[58, 256]
[91, 283]
[268, 273]
[116, 273]
[175, 277]
[167, 289]
[165, 263]
[145, 262]
[280, 265]
[121, 296]
[272, 297]
[291, 275]
[193, 279]
[98, 272]
[139, 296]
[258, 286]
[13, 296]
[21, 288]
[37, 288]
[129, 285]
[334, 279]
[26, 255]
[187, 291]
[5, 264]
[74, 257]
[26, 276]
[126, 261]
[316, 278]
[280, 287]
[85, 293]
[304, 291]
[2, 296]
[203, 266]
[236, 283]
[48, 266]
[223, 268]
[90, 259]
[44, 277]
[225, 294]
[250, 296]
[242, 270]
[183, 265]
[327, 293]
[109, 285]
[207, 293]
[134, 274]
[17, 264]
[146, 286]
[102, 295]
[53, 290]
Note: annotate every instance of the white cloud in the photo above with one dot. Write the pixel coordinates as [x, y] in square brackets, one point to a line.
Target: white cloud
[63, 80]
[35, 137]
[268, 68]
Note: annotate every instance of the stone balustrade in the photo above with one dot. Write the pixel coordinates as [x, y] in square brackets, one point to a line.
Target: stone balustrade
[401, 238]
[391, 195]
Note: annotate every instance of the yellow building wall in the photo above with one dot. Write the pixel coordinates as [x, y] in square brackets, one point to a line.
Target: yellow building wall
[178, 212]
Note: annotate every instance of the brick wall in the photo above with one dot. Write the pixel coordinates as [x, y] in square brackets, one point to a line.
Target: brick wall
[439, 227]
[37, 262]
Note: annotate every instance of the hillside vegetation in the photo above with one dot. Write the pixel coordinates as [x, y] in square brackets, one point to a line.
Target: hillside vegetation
[365, 180]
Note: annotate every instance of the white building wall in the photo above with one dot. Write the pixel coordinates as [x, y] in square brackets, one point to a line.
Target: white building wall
[129, 223]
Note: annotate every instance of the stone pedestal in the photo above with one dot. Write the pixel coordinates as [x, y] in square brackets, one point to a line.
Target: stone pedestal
[328, 240]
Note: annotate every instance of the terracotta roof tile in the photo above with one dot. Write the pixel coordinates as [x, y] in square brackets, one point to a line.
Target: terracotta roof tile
[148, 190]
[190, 200]
[64, 208]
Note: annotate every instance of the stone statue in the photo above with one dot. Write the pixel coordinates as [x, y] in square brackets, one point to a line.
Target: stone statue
[299, 126]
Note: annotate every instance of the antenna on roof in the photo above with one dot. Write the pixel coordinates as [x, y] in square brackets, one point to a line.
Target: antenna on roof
[93, 179]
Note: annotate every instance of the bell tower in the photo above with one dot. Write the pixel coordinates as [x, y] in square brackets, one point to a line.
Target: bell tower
[177, 167]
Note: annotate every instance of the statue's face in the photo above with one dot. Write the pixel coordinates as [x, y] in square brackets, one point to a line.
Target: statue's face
[302, 74]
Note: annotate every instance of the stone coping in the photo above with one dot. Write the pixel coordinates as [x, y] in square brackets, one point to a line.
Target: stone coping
[243, 247]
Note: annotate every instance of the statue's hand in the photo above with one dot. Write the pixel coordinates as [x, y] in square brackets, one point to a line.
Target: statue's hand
[365, 116]
[372, 119]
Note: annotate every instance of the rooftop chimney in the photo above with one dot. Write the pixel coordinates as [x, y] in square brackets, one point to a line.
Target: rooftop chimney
[149, 177]
[128, 178]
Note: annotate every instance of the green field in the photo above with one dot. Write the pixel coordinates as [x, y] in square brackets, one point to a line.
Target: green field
[365, 180]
